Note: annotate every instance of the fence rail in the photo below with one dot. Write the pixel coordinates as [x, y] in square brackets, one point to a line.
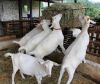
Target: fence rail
[18, 27]
[94, 45]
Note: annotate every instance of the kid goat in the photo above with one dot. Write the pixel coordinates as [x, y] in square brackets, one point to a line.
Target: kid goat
[76, 52]
[30, 66]
[51, 42]
[29, 35]
[32, 43]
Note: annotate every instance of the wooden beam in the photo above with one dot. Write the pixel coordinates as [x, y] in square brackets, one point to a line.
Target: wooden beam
[7, 43]
[89, 72]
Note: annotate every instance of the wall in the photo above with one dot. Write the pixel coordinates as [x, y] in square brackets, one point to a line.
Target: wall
[9, 10]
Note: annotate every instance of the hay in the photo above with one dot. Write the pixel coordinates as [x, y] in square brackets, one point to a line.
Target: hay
[6, 71]
[70, 13]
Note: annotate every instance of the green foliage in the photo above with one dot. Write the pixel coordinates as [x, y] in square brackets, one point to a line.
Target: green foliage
[93, 9]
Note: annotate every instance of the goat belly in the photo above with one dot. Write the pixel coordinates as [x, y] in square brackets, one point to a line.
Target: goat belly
[27, 64]
[44, 50]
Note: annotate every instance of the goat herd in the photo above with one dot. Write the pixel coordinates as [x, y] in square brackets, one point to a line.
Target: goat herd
[39, 43]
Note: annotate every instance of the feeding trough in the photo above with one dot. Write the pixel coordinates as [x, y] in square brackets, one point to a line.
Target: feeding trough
[70, 13]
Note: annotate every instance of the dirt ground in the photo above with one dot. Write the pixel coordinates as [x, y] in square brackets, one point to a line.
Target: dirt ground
[6, 71]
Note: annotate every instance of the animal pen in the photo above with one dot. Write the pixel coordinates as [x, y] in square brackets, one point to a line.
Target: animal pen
[70, 20]
[15, 29]
[94, 45]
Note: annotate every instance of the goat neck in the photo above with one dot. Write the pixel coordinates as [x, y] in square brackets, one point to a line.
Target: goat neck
[57, 26]
[85, 27]
[46, 28]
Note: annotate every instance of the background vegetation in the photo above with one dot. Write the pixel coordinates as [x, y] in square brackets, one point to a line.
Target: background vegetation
[93, 9]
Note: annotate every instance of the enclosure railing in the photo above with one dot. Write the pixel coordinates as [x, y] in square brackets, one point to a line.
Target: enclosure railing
[94, 45]
[19, 27]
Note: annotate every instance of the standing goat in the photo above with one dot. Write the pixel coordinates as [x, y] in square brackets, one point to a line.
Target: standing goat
[29, 35]
[30, 66]
[51, 42]
[31, 44]
[76, 52]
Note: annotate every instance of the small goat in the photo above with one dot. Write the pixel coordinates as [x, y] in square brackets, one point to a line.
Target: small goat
[29, 35]
[31, 44]
[30, 66]
[76, 52]
[51, 42]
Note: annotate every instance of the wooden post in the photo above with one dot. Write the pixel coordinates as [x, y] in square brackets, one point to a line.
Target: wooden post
[75, 1]
[48, 3]
[20, 8]
[30, 2]
[39, 7]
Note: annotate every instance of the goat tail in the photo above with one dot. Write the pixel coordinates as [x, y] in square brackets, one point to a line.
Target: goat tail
[16, 42]
[8, 54]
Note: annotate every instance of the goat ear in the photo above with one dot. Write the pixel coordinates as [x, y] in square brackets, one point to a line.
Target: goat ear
[44, 64]
[41, 62]
[56, 64]
[23, 51]
[88, 19]
[51, 26]
[81, 17]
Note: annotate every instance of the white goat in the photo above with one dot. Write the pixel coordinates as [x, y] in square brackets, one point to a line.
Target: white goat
[29, 35]
[31, 44]
[50, 43]
[30, 66]
[76, 52]
[75, 31]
